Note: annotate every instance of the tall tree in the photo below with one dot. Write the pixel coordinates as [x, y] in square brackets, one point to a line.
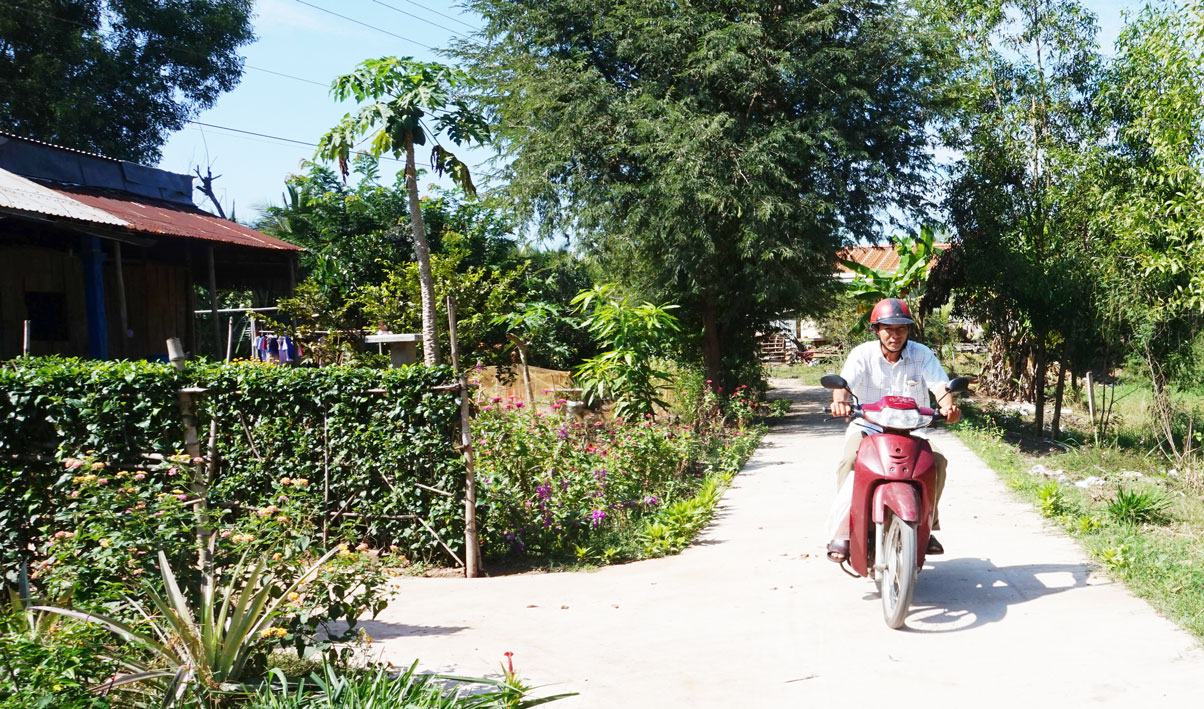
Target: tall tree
[1153, 222]
[116, 77]
[1027, 70]
[402, 96]
[715, 154]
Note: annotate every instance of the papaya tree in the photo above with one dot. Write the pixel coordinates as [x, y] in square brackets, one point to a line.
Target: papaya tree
[405, 103]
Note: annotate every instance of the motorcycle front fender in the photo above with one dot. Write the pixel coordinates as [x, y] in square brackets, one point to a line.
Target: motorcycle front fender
[903, 498]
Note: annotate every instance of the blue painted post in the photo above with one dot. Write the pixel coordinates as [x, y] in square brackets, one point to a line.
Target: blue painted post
[94, 294]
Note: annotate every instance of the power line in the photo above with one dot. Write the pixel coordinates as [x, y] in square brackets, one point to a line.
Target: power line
[178, 48]
[365, 24]
[420, 19]
[287, 76]
[276, 137]
[453, 19]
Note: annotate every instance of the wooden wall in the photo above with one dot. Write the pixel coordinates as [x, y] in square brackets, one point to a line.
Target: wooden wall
[157, 306]
[157, 301]
[25, 269]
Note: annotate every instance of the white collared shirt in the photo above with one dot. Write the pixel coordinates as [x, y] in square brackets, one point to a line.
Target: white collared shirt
[872, 377]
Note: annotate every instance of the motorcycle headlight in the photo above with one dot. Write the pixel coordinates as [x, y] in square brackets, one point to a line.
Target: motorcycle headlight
[904, 419]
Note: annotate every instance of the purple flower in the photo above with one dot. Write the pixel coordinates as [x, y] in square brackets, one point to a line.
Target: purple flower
[545, 491]
[596, 517]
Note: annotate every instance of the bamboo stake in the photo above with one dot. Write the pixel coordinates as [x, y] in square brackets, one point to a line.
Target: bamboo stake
[325, 473]
[229, 337]
[1091, 406]
[472, 545]
[186, 400]
[28, 339]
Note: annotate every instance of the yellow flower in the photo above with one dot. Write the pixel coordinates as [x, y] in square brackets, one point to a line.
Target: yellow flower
[105, 543]
[277, 556]
[294, 597]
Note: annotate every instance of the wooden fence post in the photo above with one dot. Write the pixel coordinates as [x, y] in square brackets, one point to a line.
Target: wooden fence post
[186, 400]
[472, 545]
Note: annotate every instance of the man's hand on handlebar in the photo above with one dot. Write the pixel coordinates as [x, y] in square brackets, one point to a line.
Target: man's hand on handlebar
[951, 413]
[841, 409]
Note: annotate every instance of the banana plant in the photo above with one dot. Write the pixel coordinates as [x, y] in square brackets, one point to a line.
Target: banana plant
[916, 254]
[206, 649]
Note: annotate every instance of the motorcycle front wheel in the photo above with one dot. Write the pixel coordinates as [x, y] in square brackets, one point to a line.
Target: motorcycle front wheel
[898, 583]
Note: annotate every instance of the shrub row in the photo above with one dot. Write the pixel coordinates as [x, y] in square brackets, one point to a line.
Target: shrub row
[372, 443]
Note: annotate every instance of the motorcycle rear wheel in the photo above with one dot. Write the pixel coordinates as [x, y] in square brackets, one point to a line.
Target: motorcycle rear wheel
[898, 583]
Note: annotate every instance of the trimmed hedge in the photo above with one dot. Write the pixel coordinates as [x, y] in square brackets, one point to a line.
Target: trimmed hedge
[273, 423]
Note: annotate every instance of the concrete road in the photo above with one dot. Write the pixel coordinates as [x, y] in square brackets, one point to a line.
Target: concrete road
[753, 615]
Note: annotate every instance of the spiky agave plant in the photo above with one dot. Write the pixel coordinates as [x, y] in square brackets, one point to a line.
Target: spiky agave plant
[209, 647]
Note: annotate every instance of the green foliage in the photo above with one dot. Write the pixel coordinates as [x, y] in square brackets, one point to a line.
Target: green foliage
[353, 234]
[1051, 500]
[1019, 199]
[916, 255]
[274, 423]
[116, 78]
[200, 651]
[1138, 507]
[379, 688]
[555, 485]
[701, 149]
[45, 661]
[631, 336]
[401, 93]
[480, 292]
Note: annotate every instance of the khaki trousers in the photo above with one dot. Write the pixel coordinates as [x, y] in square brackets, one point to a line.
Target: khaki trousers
[849, 458]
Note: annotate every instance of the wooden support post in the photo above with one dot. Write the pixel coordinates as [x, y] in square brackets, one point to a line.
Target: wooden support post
[186, 400]
[28, 339]
[1091, 406]
[472, 545]
[229, 337]
[217, 327]
[124, 311]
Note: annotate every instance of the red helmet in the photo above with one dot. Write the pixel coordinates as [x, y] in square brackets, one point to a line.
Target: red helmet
[891, 311]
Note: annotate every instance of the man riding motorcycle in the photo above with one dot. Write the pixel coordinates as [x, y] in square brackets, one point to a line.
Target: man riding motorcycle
[891, 365]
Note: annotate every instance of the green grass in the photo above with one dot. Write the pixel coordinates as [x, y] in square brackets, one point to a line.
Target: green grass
[1147, 530]
[808, 375]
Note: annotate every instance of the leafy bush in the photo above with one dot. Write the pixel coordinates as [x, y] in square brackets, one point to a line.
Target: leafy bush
[1138, 507]
[555, 485]
[379, 688]
[361, 439]
[631, 336]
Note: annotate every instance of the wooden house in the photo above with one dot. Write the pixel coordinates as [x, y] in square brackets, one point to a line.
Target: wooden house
[104, 257]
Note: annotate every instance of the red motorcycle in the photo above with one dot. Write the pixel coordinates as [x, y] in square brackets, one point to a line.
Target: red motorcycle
[893, 495]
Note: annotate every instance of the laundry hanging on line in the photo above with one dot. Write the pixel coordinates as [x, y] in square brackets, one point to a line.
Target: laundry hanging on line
[276, 349]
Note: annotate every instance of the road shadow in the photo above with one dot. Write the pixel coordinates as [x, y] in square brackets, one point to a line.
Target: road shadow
[963, 594]
[383, 631]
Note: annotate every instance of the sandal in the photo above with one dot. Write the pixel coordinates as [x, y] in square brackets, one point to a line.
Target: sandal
[934, 547]
[838, 550]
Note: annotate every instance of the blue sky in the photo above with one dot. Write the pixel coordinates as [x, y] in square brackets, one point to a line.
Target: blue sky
[301, 38]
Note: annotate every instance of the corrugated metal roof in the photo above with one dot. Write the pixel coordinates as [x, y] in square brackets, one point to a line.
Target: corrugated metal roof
[149, 216]
[24, 195]
[879, 258]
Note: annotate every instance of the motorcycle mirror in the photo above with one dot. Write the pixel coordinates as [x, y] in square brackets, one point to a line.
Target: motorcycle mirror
[957, 385]
[833, 381]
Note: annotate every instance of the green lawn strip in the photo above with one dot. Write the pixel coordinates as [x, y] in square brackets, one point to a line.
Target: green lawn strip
[1162, 563]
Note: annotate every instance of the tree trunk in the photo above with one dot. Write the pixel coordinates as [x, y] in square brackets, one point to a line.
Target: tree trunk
[712, 353]
[1039, 386]
[1055, 426]
[430, 325]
